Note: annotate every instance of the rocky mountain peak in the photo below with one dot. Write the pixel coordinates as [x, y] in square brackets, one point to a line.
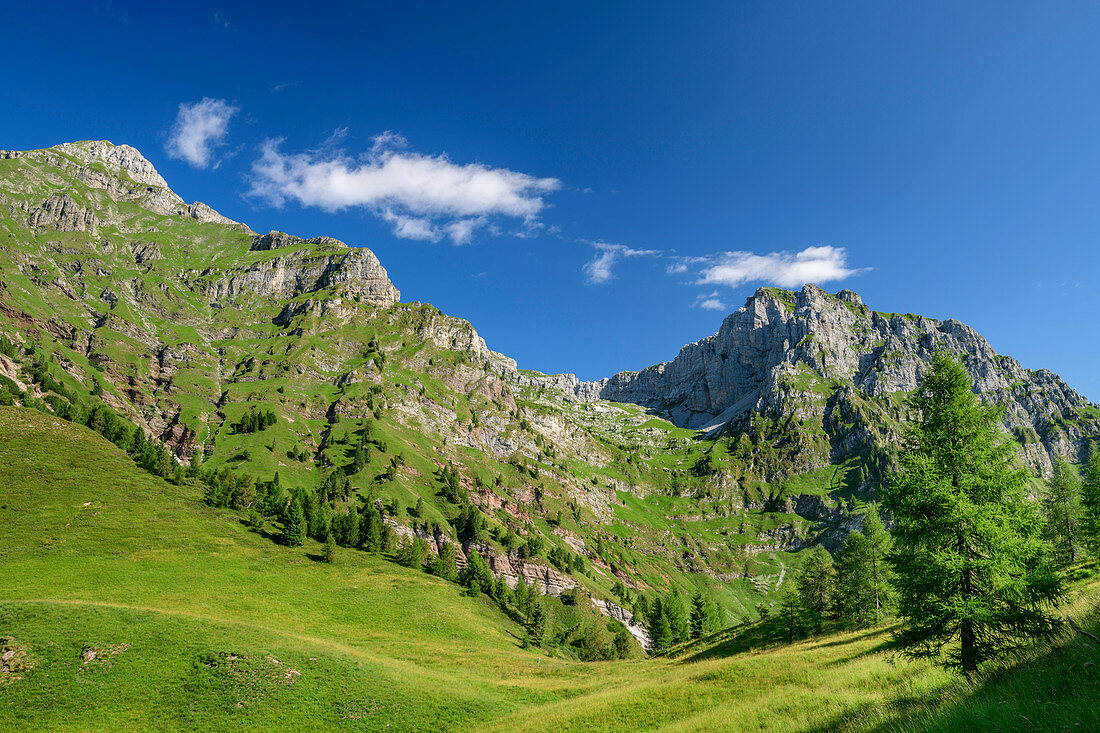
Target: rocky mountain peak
[116, 158]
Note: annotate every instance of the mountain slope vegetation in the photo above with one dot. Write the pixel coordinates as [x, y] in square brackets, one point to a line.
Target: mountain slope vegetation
[129, 604]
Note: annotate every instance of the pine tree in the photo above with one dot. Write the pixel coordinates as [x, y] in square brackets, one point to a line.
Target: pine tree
[817, 584]
[1063, 513]
[1090, 502]
[972, 575]
[879, 544]
[330, 549]
[294, 528]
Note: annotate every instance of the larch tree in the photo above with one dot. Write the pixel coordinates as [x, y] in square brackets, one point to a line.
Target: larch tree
[972, 575]
[1090, 501]
[1064, 513]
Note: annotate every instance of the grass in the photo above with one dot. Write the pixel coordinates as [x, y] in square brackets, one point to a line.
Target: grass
[199, 624]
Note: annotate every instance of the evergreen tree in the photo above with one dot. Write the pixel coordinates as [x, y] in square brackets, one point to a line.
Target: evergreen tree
[705, 618]
[255, 521]
[371, 531]
[537, 624]
[412, 554]
[1090, 502]
[1063, 513]
[523, 597]
[792, 615]
[677, 617]
[817, 584]
[330, 549]
[660, 631]
[879, 543]
[444, 564]
[972, 575]
[476, 576]
[294, 528]
[855, 593]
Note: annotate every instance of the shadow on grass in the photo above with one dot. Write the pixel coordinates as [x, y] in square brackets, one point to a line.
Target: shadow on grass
[1053, 686]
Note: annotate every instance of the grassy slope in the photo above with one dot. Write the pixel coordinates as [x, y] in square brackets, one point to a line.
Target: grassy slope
[98, 555]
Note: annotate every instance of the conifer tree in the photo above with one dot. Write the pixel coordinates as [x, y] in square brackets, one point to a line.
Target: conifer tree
[677, 617]
[879, 543]
[371, 531]
[444, 564]
[855, 594]
[330, 549]
[973, 579]
[660, 631]
[817, 584]
[294, 528]
[705, 618]
[1090, 502]
[255, 521]
[1063, 513]
[792, 615]
[537, 624]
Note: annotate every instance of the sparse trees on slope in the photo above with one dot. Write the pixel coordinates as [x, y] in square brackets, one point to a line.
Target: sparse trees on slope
[1063, 513]
[972, 576]
[330, 549]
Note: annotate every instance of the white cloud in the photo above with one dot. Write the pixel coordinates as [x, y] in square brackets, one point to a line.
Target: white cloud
[422, 196]
[817, 264]
[599, 268]
[711, 302]
[200, 127]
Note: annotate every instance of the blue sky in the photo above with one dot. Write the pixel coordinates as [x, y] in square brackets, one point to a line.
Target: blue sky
[594, 186]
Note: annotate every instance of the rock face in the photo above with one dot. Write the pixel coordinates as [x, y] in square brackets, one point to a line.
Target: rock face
[304, 270]
[123, 173]
[806, 351]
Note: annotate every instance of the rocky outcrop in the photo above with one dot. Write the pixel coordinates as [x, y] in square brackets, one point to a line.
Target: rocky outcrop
[626, 618]
[61, 212]
[124, 173]
[791, 351]
[356, 271]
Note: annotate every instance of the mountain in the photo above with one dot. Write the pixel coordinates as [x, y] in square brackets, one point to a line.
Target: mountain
[706, 473]
[824, 358]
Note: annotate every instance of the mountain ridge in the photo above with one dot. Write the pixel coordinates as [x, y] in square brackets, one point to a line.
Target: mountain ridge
[779, 427]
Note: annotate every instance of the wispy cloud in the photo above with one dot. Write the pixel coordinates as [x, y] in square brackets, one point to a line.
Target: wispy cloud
[711, 302]
[200, 128]
[422, 196]
[599, 268]
[818, 264]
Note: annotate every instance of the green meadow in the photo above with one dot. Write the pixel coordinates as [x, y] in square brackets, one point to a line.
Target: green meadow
[126, 604]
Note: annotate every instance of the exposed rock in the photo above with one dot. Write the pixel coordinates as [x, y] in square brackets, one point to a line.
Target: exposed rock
[786, 350]
[61, 212]
[626, 618]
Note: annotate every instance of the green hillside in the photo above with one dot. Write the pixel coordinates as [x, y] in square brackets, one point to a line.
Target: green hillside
[125, 603]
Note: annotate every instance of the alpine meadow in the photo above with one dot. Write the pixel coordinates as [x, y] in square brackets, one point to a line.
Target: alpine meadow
[247, 484]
